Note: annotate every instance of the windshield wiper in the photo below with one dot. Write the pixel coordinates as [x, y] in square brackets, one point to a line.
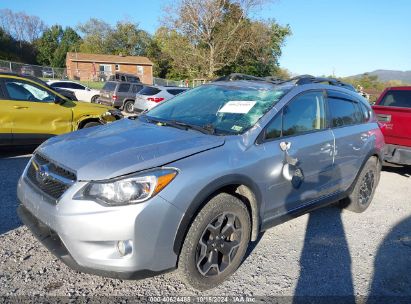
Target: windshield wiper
[207, 129]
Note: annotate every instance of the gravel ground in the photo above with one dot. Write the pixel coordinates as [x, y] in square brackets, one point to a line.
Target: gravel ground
[325, 253]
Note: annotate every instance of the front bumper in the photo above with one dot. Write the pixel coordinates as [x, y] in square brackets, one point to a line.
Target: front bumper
[397, 154]
[84, 234]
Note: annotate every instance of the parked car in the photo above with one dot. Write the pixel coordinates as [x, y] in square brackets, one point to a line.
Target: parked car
[393, 110]
[65, 93]
[47, 72]
[192, 181]
[119, 94]
[151, 96]
[117, 76]
[27, 70]
[81, 91]
[32, 112]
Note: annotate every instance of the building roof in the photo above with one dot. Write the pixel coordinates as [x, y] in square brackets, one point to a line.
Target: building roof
[117, 59]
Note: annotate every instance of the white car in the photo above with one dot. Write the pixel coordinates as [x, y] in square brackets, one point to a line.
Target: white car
[82, 92]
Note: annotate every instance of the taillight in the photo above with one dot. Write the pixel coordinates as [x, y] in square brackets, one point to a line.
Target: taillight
[114, 97]
[155, 99]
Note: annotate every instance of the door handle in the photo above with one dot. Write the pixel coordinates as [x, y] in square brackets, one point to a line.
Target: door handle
[326, 148]
[20, 107]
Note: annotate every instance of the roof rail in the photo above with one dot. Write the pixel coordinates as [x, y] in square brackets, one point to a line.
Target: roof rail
[239, 76]
[298, 80]
[307, 79]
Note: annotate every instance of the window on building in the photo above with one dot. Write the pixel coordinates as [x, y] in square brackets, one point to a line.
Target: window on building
[140, 70]
[117, 67]
[105, 69]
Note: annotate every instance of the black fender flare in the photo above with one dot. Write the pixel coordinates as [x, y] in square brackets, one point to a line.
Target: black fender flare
[206, 193]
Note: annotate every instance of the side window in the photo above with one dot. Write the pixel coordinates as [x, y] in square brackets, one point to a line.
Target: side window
[344, 111]
[273, 130]
[396, 98]
[365, 111]
[21, 90]
[77, 86]
[304, 114]
[59, 85]
[136, 88]
[124, 87]
[175, 91]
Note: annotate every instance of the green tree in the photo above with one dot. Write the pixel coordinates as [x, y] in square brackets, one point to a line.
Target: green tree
[96, 34]
[54, 44]
[125, 38]
[206, 38]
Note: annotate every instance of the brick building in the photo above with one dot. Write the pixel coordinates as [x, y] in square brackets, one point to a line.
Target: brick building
[82, 66]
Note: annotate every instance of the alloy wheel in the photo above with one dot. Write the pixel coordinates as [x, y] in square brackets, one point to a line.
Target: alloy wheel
[366, 188]
[218, 244]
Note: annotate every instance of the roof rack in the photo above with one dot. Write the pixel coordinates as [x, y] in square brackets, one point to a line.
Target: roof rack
[298, 80]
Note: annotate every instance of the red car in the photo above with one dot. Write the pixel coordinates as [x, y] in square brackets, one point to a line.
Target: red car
[393, 109]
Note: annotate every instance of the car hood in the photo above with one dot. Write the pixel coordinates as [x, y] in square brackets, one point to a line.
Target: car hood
[124, 147]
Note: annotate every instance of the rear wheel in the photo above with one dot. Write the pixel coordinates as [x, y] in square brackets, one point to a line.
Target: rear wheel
[215, 243]
[360, 199]
[94, 99]
[129, 106]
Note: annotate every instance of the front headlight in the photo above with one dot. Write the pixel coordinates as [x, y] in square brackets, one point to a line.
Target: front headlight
[128, 190]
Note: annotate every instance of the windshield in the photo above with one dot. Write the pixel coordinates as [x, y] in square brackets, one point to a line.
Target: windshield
[225, 109]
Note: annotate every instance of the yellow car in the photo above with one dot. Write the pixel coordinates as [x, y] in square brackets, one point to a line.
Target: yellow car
[31, 112]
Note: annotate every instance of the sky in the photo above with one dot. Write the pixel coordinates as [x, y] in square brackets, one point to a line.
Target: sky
[344, 37]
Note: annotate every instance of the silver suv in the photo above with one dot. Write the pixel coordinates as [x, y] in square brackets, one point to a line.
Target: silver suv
[191, 182]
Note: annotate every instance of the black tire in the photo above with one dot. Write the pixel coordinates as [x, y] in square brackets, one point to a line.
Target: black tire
[360, 198]
[91, 124]
[94, 98]
[129, 106]
[223, 226]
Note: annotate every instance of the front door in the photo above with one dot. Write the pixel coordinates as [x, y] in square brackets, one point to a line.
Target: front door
[36, 116]
[6, 120]
[298, 148]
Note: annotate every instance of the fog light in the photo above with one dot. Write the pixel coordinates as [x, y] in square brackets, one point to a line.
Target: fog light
[125, 247]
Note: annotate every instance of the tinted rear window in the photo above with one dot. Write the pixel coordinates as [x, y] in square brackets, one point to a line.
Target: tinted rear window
[124, 87]
[397, 99]
[109, 86]
[148, 91]
[175, 91]
[344, 112]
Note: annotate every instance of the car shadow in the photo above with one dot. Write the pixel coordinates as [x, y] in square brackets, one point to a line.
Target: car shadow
[12, 163]
[391, 282]
[325, 261]
[398, 169]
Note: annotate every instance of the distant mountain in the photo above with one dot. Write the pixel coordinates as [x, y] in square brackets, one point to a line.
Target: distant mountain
[386, 75]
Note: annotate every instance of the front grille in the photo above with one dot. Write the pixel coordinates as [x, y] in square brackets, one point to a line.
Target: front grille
[48, 177]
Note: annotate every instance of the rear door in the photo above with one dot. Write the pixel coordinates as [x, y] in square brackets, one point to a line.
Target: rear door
[352, 137]
[6, 119]
[36, 116]
[298, 151]
[394, 114]
[106, 93]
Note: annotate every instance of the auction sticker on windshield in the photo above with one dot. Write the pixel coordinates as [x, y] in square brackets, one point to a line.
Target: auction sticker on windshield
[237, 107]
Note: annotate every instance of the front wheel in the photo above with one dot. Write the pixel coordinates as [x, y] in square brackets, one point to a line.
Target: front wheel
[216, 242]
[91, 124]
[360, 198]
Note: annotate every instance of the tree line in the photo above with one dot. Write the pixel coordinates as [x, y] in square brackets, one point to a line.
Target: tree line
[196, 39]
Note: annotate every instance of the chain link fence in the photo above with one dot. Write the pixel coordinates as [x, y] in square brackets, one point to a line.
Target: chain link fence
[95, 80]
[44, 72]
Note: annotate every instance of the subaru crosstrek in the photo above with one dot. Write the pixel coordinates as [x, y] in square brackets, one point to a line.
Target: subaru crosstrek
[191, 182]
